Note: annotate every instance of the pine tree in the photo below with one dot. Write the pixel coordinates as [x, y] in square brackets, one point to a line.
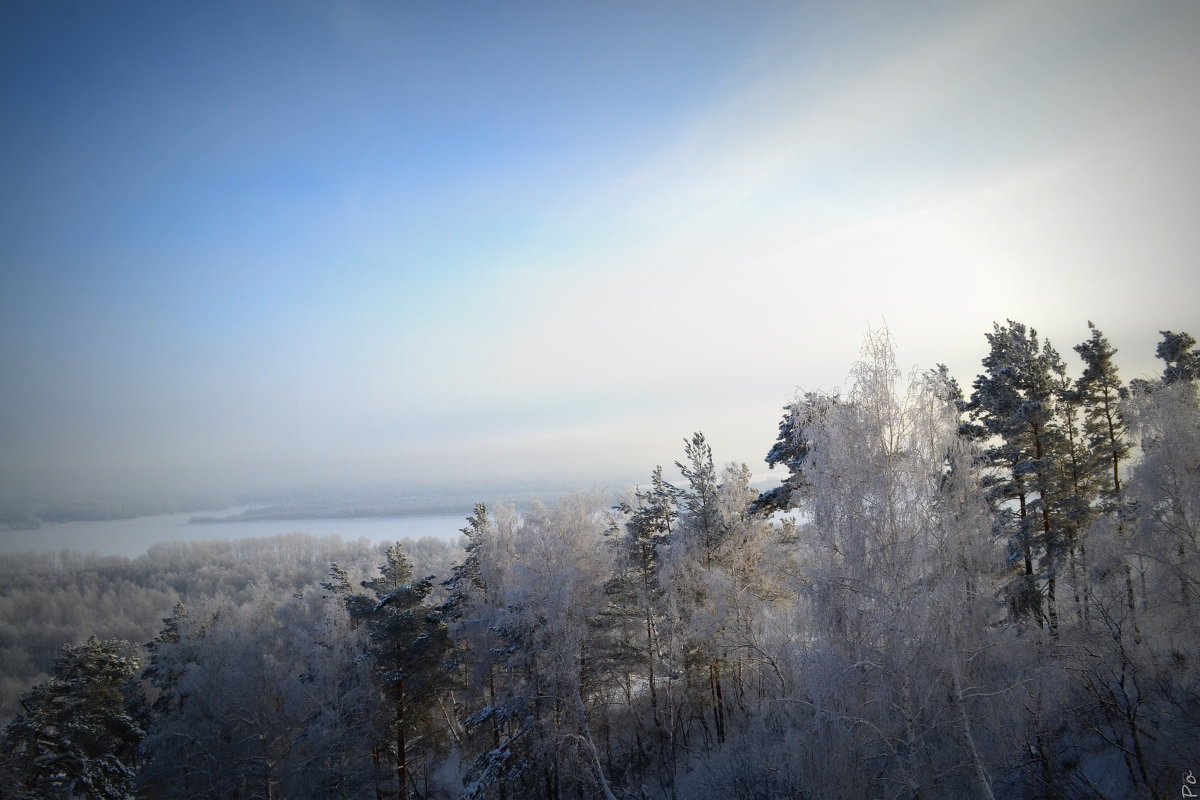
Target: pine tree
[1182, 358]
[77, 738]
[467, 584]
[1101, 392]
[1106, 432]
[161, 673]
[649, 525]
[470, 609]
[1074, 482]
[699, 499]
[408, 642]
[1013, 406]
[636, 593]
[696, 552]
[337, 583]
[791, 450]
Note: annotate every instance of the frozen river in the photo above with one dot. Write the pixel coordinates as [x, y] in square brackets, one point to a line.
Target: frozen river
[132, 537]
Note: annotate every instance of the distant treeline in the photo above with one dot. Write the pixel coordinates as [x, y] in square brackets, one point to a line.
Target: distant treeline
[33, 514]
[342, 512]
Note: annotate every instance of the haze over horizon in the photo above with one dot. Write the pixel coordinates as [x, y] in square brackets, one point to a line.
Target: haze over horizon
[252, 245]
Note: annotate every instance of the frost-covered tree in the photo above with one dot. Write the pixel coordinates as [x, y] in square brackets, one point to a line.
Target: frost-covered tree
[408, 641]
[163, 673]
[552, 685]
[1166, 486]
[331, 704]
[1013, 407]
[1181, 356]
[472, 611]
[635, 590]
[1101, 392]
[1074, 479]
[900, 595]
[1101, 396]
[77, 737]
[218, 727]
[791, 449]
[1163, 418]
[715, 586]
[692, 571]
[701, 527]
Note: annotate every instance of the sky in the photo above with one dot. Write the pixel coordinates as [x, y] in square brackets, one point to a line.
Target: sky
[260, 244]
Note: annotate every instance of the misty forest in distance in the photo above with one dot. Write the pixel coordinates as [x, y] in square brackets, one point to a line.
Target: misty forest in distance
[985, 589]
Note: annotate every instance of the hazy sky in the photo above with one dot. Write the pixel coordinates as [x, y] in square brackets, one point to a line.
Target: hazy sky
[268, 243]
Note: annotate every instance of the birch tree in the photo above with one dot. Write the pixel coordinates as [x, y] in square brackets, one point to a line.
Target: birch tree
[899, 667]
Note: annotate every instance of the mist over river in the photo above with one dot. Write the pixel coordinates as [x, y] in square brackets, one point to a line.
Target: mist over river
[133, 537]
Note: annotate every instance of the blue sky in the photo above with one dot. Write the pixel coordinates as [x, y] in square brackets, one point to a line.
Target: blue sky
[254, 244]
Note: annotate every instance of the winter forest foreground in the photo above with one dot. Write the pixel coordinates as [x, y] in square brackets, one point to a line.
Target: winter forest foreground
[989, 592]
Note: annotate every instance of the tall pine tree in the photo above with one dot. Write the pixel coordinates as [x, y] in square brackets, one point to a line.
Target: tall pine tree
[1013, 407]
[1106, 433]
[408, 642]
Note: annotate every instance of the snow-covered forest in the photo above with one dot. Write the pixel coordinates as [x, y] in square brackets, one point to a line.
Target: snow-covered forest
[987, 589]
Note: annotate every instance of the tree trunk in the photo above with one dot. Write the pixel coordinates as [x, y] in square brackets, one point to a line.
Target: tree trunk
[981, 775]
[1073, 567]
[718, 703]
[1030, 591]
[375, 772]
[401, 744]
[650, 663]
[586, 735]
[1052, 603]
